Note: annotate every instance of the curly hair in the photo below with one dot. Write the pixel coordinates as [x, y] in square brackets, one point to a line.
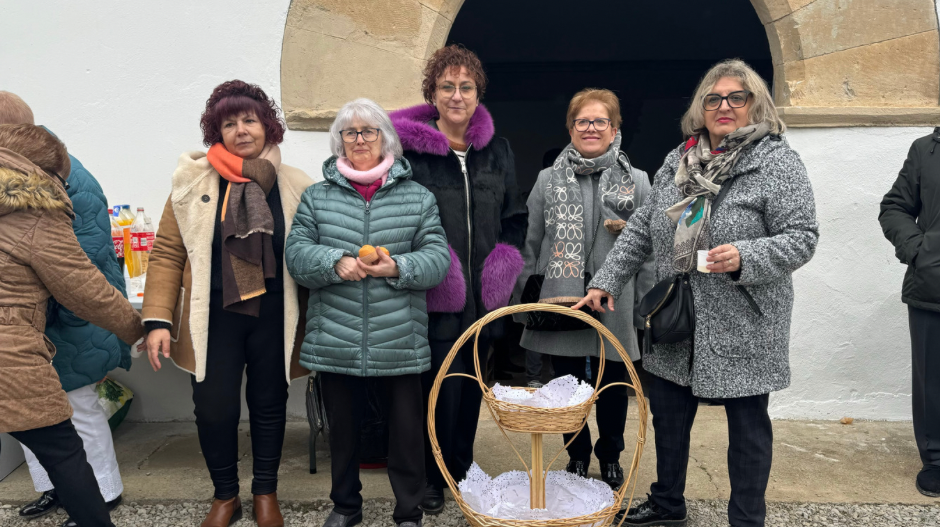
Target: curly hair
[234, 97]
[449, 58]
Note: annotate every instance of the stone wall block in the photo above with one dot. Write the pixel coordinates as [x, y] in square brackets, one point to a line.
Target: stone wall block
[785, 40]
[314, 83]
[770, 11]
[828, 26]
[434, 31]
[903, 72]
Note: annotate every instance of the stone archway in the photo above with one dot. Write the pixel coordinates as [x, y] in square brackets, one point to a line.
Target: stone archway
[832, 65]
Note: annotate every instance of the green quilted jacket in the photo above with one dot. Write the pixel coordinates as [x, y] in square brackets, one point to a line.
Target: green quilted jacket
[377, 326]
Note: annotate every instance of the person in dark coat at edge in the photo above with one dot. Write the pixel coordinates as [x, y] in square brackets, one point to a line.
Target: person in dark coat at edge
[85, 353]
[450, 144]
[910, 219]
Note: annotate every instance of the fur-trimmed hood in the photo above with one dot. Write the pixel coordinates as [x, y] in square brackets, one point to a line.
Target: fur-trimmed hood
[416, 134]
[20, 191]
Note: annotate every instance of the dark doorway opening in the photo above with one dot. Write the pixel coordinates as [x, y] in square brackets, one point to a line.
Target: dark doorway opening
[538, 54]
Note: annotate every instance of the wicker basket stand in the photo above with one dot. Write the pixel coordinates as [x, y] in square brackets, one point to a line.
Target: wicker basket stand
[539, 421]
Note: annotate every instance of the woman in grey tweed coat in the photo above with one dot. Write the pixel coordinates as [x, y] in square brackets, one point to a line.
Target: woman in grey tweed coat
[763, 231]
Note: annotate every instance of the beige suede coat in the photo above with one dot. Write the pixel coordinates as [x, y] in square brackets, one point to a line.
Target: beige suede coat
[41, 257]
[179, 272]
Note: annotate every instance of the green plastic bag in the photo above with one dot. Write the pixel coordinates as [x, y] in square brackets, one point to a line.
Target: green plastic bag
[115, 399]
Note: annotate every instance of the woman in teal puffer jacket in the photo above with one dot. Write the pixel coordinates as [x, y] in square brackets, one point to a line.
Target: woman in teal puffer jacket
[367, 316]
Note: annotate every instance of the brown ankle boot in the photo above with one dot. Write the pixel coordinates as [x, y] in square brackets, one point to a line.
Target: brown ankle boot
[267, 512]
[223, 513]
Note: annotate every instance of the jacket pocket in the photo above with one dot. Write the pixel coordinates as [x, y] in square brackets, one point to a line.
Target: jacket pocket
[738, 330]
[178, 316]
[50, 347]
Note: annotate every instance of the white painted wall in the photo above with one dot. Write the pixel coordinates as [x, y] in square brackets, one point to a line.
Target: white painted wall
[123, 84]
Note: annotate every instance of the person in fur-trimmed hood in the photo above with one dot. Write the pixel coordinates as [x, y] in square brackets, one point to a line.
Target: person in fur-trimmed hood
[451, 146]
[40, 258]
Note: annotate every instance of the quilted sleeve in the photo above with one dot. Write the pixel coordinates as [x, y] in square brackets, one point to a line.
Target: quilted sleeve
[311, 264]
[425, 266]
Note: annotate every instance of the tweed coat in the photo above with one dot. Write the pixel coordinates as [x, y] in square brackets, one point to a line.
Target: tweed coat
[769, 215]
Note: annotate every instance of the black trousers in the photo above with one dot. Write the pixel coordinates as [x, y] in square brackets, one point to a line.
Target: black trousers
[925, 370]
[750, 450]
[61, 452]
[345, 399]
[458, 410]
[610, 410]
[237, 342]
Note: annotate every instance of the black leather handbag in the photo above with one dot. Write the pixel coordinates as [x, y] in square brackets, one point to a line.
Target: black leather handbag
[545, 321]
[668, 311]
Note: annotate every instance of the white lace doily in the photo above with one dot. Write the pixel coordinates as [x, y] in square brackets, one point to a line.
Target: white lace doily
[507, 496]
[558, 393]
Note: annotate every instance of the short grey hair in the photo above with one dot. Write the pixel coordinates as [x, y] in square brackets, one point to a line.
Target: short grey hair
[368, 111]
[762, 108]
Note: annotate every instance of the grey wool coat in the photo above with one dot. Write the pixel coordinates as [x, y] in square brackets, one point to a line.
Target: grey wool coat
[769, 215]
[537, 250]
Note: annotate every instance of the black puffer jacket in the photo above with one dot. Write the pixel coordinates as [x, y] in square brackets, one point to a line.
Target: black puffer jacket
[910, 218]
[485, 223]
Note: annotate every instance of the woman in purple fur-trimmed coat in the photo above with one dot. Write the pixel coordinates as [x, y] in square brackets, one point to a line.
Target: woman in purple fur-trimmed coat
[450, 145]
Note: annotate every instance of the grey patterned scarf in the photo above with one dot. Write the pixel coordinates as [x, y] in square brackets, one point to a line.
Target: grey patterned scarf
[564, 216]
[699, 178]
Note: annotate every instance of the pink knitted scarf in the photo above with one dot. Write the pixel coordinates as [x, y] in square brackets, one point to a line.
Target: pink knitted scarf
[367, 177]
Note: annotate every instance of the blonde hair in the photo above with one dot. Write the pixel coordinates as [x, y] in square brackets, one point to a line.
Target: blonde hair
[605, 97]
[762, 108]
[14, 110]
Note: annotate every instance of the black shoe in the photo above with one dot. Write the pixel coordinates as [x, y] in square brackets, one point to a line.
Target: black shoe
[578, 467]
[648, 514]
[433, 502]
[928, 481]
[47, 502]
[336, 519]
[612, 474]
[110, 505]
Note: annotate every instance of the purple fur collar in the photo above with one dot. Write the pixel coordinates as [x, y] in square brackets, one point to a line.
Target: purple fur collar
[417, 135]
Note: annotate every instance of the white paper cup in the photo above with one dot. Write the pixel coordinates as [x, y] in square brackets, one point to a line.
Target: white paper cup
[702, 263]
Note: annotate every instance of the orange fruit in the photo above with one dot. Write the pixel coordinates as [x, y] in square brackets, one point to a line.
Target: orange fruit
[384, 250]
[368, 255]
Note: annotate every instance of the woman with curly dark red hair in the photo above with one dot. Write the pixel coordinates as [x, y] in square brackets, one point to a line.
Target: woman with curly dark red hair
[450, 144]
[218, 299]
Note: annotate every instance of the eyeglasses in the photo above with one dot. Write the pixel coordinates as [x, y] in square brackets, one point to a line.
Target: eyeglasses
[600, 125]
[351, 136]
[736, 99]
[466, 91]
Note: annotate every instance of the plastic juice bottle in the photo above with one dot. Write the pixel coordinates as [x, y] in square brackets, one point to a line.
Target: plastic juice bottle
[142, 237]
[117, 235]
[131, 259]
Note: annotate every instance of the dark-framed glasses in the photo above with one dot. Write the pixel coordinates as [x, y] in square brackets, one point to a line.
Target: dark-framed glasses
[736, 99]
[600, 125]
[466, 91]
[351, 136]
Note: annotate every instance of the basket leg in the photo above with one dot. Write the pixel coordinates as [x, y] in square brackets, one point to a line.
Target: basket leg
[537, 476]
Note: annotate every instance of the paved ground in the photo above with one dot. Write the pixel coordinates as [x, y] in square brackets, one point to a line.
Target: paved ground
[824, 473]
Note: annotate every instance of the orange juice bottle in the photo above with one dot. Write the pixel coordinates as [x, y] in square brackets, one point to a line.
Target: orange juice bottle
[131, 260]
